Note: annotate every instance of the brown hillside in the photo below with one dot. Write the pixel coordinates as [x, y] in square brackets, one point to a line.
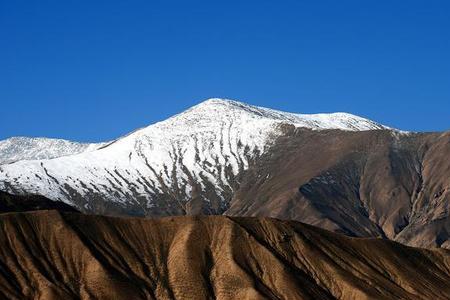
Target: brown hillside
[53, 255]
[367, 184]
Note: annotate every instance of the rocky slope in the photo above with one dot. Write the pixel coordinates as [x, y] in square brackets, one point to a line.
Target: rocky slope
[372, 183]
[53, 255]
[191, 163]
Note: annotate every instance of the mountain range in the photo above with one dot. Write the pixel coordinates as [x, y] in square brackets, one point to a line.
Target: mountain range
[337, 171]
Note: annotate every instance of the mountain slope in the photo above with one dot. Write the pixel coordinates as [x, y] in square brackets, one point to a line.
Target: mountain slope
[52, 255]
[24, 148]
[372, 183]
[191, 163]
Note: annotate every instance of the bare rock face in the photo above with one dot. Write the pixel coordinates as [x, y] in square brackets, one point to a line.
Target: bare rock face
[54, 255]
[370, 183]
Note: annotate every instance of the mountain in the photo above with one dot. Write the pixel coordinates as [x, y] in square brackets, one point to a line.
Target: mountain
[54, 255]
[191, 163]
[336, 171]
[24, 148]
[369, 183]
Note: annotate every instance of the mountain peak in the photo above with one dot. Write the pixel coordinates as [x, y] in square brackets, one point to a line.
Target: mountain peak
[214, 101]
[219, 109]
[222, 103]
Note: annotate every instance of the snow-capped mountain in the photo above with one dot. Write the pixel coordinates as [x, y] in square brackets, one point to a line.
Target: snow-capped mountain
[25, 148]
[190, 162]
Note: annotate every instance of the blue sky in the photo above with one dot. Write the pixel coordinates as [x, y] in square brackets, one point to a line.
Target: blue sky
[94, 70]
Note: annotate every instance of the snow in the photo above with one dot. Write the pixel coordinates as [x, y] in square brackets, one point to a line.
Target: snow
[201, 140]
[25, 148]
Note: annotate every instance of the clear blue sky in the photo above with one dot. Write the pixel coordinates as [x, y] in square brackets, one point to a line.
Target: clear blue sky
[94, 70]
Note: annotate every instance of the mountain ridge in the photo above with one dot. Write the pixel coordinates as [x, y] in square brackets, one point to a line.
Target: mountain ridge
[33, 148]
[204, 147]
[25, 144]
